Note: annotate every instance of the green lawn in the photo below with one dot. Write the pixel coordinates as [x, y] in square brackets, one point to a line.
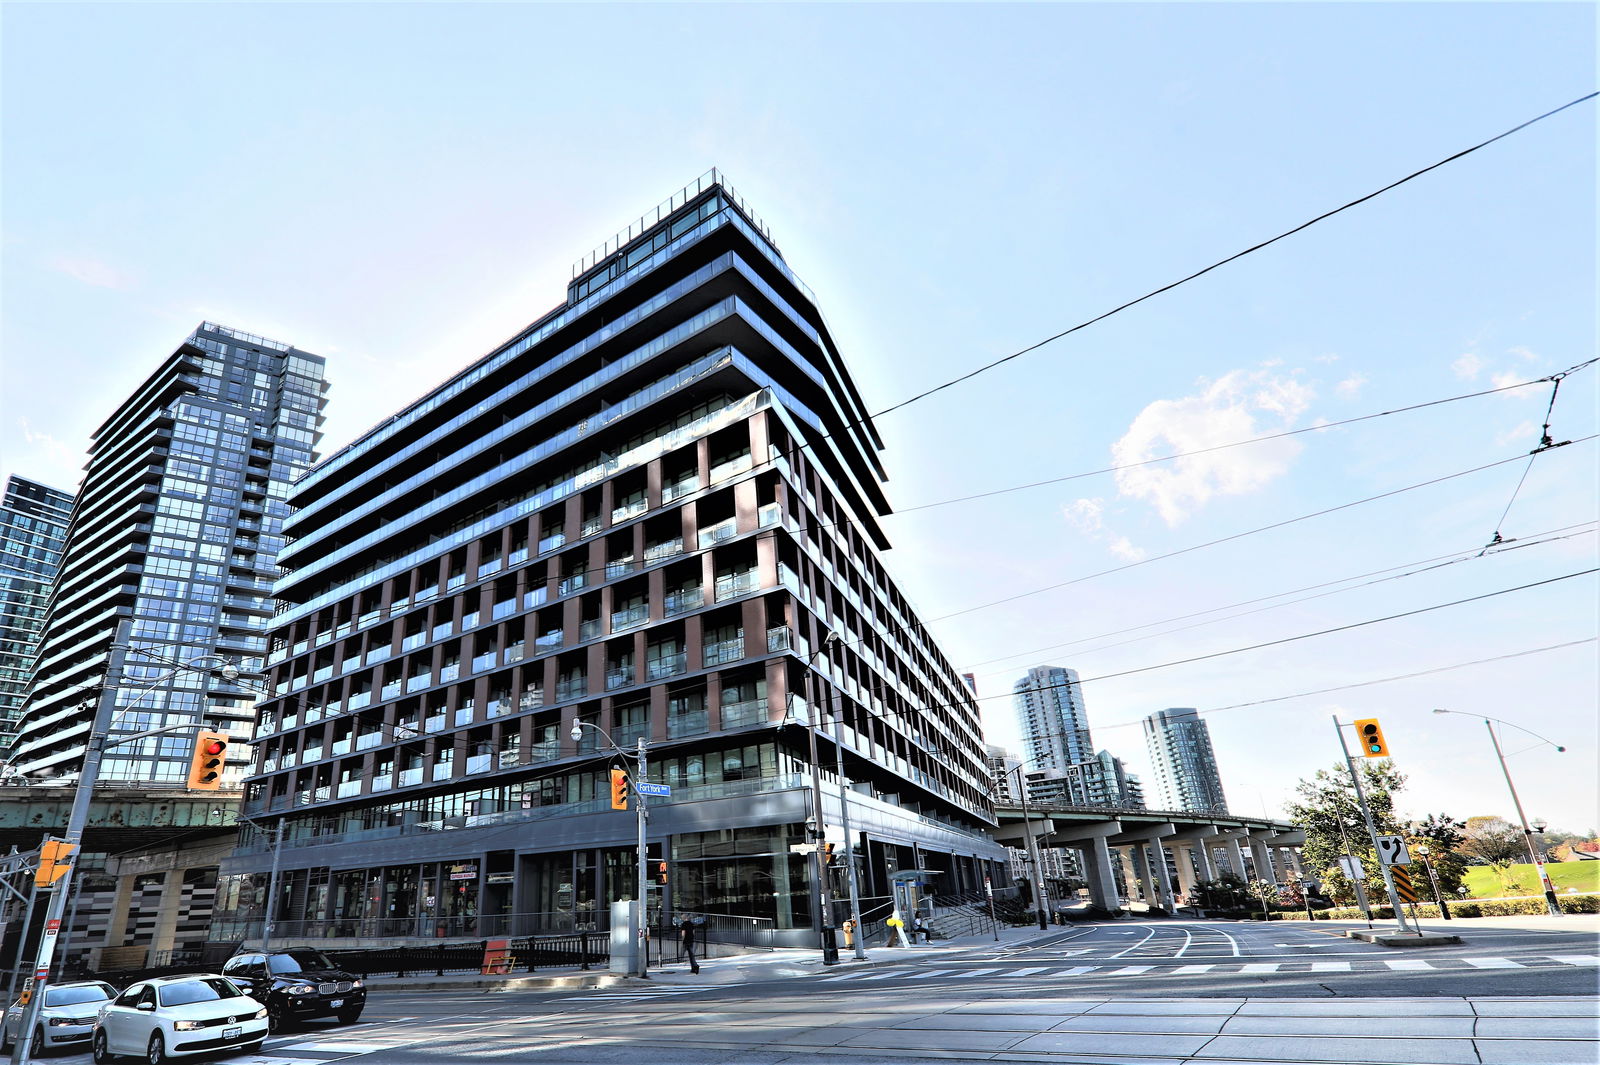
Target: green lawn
[1483, 883]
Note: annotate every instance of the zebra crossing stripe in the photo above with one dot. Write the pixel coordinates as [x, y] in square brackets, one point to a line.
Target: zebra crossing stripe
[932, 973]
[1190, 970]
[1033, 969]
[1078, 970]
[1492, 963]
[980, 972]
[1261, 967]
[1407, 963]
[1330, 967]
[1130, 970]
[1577, 959]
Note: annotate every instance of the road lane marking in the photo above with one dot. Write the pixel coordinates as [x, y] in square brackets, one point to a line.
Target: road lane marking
[1031, 970]
[932, 973]
[1577, 959]
[1406, 963]
[1189, 970]
[1261, 967]
[1130, 970]
[1493, 963]
[1148, 933]
[1188, 941]
[1330, 967]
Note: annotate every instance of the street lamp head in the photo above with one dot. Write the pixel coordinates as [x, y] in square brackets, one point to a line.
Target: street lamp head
[1540, 824]
[577, 732]
[228, 672]
[1422, 849]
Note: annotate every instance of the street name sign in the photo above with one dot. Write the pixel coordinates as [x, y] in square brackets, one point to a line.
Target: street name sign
[647, 788]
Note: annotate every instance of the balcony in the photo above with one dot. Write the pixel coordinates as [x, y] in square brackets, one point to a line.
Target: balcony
[682, 601]
[619, 677]
[627, 619]
[691, 724]
[733, 585]
[716, 534]
[620, 568]
[591, 525]
[576, 688]
[665, 549]
[724, 651]
[745, 713]
[667, 665]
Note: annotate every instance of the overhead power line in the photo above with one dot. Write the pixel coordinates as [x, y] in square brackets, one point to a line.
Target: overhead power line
[1235, 536]
[1223, 262]
[1240, 443]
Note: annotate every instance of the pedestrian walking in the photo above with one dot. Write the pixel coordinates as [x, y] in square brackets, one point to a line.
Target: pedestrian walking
[686, 929]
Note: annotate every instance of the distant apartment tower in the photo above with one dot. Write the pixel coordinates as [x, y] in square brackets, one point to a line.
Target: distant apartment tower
[1055, 728]
[33, 528]
[1185, 767]
[177, 528]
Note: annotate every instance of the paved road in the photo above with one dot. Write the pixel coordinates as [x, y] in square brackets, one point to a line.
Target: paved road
[1211, 958]
[1123, 993]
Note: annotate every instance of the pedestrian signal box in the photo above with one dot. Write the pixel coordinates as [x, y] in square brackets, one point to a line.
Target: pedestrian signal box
[205, 766]
[619, 789]
[661, 873]
[1371, 736]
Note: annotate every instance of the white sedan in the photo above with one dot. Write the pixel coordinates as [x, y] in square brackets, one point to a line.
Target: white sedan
[177, 1016]
[67, 1016]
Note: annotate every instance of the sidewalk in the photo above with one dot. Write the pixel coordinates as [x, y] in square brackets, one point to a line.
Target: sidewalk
[734, 969]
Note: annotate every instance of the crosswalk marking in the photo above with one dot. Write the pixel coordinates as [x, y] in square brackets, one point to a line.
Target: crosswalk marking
[1053, 972]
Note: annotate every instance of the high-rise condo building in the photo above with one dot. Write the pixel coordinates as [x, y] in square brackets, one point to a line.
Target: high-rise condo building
[655, 510]
[33, 526]
[176, 529]
[1055, 726]
[1185, 767]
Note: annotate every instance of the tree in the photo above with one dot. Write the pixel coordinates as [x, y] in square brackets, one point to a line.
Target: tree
[1443, 837]
[1327, 811]
[1497, 843]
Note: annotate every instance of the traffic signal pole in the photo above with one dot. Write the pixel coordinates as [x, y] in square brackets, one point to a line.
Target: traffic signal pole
[1372, 831]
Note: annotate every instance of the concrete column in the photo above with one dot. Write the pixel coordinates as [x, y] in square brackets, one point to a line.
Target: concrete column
[1141, 870]
[1158, 856]
[1235, 857]
[1097, 863]
[1293, 854]
[117, 925]
[1202, 861]
[171, 909]
[1181, 852]
[1261, 854]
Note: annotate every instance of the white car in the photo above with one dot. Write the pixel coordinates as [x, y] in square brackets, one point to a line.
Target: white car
[67, 1016]
[176, 1016]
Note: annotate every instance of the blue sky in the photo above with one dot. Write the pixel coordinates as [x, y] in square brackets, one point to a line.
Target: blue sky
[399, 187]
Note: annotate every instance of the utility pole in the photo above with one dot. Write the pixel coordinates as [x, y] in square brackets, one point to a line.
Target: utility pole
[1550, 902]
[1039, 900]
[858, 939]
[819, 868]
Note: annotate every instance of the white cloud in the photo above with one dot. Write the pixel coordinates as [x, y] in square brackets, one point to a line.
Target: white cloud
[1350, 386]
[1467, 367]
[1525, 431]
[1523, 353]
[91, 272]
[1088, 517]
[1507, 378]
[1238, 406]
[53, 450]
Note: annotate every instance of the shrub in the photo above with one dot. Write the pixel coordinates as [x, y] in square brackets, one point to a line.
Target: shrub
[1476, 908]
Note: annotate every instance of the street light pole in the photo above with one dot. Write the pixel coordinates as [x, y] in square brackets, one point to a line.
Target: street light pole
[1033, 853]
[858, 939]
[1444, 907]
[1550, 902]
[825, 932]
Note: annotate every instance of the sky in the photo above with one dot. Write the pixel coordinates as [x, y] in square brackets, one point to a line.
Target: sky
[399, 187]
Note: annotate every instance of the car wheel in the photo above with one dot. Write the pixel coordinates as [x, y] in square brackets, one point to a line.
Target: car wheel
[349, 1016]
[277, 1020]
[156, 1054]
[39, 1046]
[102, 1049]
[252, 1048]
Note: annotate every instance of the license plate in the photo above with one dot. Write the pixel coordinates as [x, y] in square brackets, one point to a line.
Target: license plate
[232, 1033]
[336, 1003]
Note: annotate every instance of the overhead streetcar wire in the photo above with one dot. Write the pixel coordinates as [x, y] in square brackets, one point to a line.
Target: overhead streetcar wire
[1236, 536]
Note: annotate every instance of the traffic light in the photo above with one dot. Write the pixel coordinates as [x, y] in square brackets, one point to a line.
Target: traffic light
[55, 862]
[1371, 735]
[619, 789]
[205, 766]
[661, 873]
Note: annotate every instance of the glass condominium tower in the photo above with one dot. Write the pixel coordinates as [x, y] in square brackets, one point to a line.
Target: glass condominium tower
[1055, 726]
[176, 529]
[33, 527]
[655, 510]
[1186, 774]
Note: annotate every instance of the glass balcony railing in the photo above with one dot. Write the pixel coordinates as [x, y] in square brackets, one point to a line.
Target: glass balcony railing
[745, 713]
[682, 601]
[692, 724]
[724, 651]
[619, 677]
[667, 665]
[732, 585]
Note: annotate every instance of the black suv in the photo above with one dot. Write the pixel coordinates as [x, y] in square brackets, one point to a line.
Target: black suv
[296, 985]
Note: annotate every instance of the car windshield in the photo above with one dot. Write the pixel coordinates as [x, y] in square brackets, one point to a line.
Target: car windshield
[299, 961]
[73, 996]
[206, 990]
